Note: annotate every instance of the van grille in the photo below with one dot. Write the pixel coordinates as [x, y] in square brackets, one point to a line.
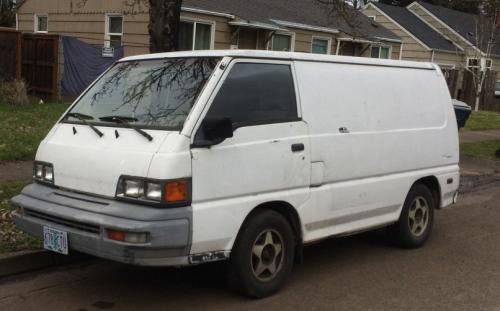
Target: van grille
[65, 222]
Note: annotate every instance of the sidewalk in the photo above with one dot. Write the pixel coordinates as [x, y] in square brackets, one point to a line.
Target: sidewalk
[475, 136]
[16, 171]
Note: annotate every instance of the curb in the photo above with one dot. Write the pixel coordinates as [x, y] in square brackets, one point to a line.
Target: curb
[26, 261]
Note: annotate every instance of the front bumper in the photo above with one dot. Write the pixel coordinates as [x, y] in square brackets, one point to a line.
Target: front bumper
[85, 218]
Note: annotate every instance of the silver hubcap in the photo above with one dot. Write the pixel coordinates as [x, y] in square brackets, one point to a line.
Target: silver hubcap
[418, 217]
[267, 255]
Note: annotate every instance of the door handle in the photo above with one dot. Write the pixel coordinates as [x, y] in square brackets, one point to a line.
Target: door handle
[298, 147]
[344, 130]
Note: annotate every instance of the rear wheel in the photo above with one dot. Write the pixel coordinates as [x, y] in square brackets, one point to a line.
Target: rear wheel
[262, 257]
[417, 218]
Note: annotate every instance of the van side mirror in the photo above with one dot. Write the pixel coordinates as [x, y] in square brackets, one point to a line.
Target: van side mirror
[213, 131]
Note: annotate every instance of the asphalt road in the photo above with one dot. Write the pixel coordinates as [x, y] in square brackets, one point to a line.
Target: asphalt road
[459, 269]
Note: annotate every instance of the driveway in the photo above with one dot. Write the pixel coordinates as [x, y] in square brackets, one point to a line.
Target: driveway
[16, 171]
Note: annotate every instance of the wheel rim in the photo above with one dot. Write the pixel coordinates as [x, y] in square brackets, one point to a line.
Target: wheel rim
[267, 255]
[418, 216]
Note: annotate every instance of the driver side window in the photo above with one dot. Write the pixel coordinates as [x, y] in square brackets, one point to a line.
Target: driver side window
[256, 93]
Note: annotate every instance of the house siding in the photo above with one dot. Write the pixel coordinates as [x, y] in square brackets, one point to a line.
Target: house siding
[90, 27]
[448, 59]
[87, 22]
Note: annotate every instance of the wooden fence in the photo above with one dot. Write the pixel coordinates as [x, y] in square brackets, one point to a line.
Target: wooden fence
[488, 100]
[451, 76]
[33, 58]
[10, 54]
[40, 64]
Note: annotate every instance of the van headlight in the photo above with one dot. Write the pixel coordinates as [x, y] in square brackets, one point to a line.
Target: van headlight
[43, 172]
[167, 193]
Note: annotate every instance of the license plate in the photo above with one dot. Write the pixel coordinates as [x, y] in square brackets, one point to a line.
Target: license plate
[55, 240]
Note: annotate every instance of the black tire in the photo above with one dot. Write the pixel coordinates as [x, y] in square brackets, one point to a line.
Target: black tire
[406, 232]
[241, 270]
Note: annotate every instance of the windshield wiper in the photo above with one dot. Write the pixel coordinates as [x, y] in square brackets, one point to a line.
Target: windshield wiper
[83, 117]
[125, 121]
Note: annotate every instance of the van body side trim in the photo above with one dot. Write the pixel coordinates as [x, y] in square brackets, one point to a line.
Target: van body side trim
[352, 217]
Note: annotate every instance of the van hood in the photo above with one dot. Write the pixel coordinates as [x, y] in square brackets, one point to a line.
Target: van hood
[85, 162]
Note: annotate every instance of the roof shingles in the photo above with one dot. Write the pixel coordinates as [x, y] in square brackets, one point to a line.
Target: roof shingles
[465, 24]
[308, 12]
[417, 27]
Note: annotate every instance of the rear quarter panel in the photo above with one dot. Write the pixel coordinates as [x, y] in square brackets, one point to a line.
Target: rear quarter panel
[401, 128]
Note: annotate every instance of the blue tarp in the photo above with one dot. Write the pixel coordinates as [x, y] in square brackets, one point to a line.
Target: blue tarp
[83, 63]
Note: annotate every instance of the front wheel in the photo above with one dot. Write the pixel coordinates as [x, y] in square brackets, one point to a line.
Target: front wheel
[417, 218]
[262, 257]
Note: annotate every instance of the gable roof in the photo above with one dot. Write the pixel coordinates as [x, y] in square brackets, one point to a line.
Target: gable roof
[465, 24]
[415, 26]
[305, 12]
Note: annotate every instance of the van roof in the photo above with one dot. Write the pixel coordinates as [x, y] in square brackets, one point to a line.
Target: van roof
[286, 56]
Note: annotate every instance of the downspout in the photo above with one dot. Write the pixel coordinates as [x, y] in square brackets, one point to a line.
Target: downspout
[401, 51]
[432, 57]
[338, 47]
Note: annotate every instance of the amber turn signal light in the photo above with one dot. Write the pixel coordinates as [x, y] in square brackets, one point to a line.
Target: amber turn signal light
[116, 235]
[176, 191]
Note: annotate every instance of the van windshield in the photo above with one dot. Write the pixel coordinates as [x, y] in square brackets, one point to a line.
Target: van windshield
[148, 94]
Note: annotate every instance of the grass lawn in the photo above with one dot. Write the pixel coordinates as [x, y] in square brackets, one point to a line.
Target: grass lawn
[23, 127]
[483, 120]
[482, 149]
[11, 239]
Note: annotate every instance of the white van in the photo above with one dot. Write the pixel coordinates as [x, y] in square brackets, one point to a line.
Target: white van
[193, 157]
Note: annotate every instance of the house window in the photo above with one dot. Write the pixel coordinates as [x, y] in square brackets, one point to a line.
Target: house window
[282, 42]
[41, 23]
[486, 63]
[114, 31]
[381, 52]
[473, 63]
[373, 18]
[321, 46]
[195, 36]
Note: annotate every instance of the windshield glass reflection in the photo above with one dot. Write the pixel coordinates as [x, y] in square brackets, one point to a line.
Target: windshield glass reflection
[150, 93]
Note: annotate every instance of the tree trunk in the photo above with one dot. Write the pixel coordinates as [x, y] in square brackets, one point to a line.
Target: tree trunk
[164, 25]
[476, 103]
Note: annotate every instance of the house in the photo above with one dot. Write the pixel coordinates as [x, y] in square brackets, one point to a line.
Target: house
[420, 41]
[299, 25]
[440, 35]
[464, 30]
